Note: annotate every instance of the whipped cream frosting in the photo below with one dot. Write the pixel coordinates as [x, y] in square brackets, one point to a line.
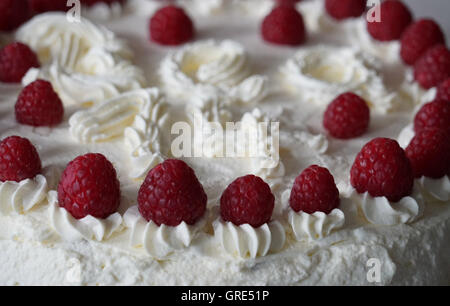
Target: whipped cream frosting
[89, 227]
[381, 211]
[23, 196]
[321, 73]
[83, 61]
[144, 137]
[438, 189]
[307, 227]
[29, 241]
[245, 241]
[210, 69]
[317, 225]
[159, 241]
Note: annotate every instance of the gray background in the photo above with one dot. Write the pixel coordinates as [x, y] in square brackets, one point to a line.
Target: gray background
[438, 9]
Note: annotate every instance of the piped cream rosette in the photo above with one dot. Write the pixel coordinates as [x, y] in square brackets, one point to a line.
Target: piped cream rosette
[85, 63]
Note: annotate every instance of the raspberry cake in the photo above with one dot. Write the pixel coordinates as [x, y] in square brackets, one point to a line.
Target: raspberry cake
[353, 188]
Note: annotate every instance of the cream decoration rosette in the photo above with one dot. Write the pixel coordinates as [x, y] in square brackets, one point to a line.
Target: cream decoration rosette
[139, 116]
[312, 226]
[160, 241]
[438, 189]
[245, 241]
[89, 227]
[210, 69]
[381, 211]
[321, 73]
[23, 196]
[83, 61]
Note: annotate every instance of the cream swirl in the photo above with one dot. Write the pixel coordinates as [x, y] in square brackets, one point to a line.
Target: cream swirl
[83, 61]
[388, 51]
[109, 119]
[321, 73]
[261, 142]
[89, 227]
[78, 88]
[145, 136]
[160, 241]
[317, 225]
[245, 241]
[23, 196]
[56, 39]
[438, 189]
[211, 69]
[381, 211]
[406, 135]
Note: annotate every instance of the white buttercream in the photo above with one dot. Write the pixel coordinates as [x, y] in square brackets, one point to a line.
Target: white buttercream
[381, 211]
[23, 196]
[210, 69]
[406, 135]
[89, 227]
[83, 61]
[144, 137]
[159, 241]
[317, 225]
[246, 241]
[109, 119]
[438, 189]
[321, 73]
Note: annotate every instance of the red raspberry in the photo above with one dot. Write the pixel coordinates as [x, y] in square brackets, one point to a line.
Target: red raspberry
[171, 194]
[395, 17]
[433, 67]
[89, 186]
[13, 13]
[41, 6]
[348, 116]
[433, 115]
[171, 26]
[418, 38]
[19, 159]
[15, 60]
[314, 190]
[429, 153]
[382, 169]
[443, 91]
[248, 200]
[39, 105]
[343, 9]
[284, 26]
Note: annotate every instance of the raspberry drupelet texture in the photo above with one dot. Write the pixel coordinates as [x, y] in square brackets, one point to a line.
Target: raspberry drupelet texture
[170, 25]
[247, 200]
[443, 91]
[433, 115]
[383, 170]
[172, 194]
[343, 9]
[15, 60]
[39, 105]
[89, 186]
[429, 153]
[433, 67]
[394, 19]
[418, 38]
[348, 116]
[284, 26]
[314, 190]
[19, 160]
